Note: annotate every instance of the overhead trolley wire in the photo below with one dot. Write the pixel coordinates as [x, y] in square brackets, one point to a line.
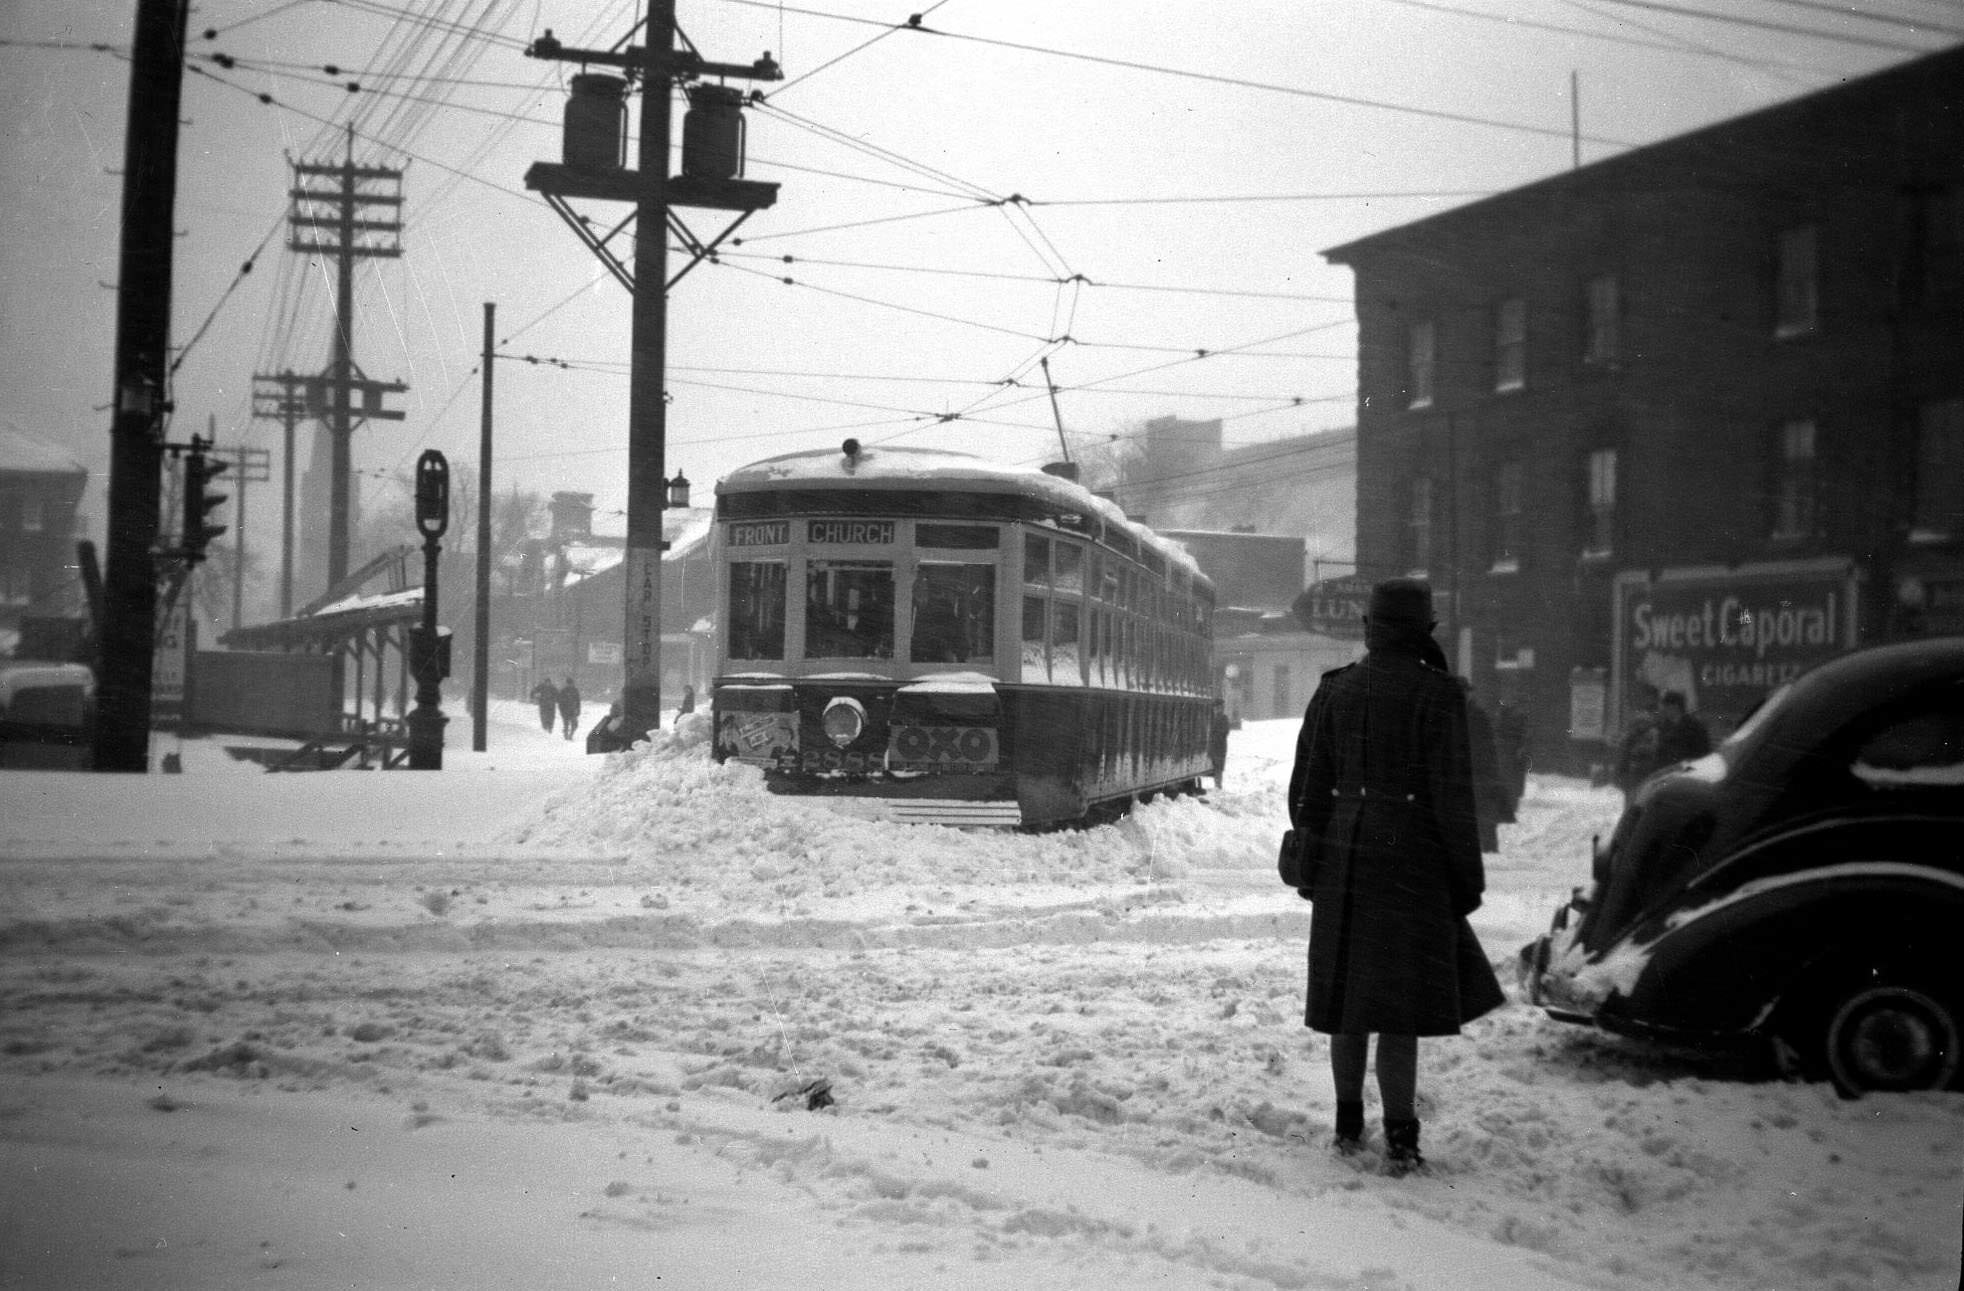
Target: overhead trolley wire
[833, 62]
[1758, 24]
[1438, 114]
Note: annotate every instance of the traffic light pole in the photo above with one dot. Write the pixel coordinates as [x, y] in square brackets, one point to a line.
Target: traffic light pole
[121, 738]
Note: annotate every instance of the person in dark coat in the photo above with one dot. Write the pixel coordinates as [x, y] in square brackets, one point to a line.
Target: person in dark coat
[1680, 736]
[546, 696]
[688, 704]
[1383, 791]
[1636, 749]
[1489, 792]
[569, 707]
[1511, 743]
[1217, 740]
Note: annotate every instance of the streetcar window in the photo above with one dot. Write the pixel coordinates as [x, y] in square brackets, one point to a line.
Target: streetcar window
[757, 609]
[1065, 666]
[1070, 567]
[1036, 560]
[958, 537]
[1034, 667]
[954, 614]
[849, 609]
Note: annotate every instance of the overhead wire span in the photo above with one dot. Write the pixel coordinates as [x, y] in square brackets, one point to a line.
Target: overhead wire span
[833, 62]
[1759, 24]
[1437, 114]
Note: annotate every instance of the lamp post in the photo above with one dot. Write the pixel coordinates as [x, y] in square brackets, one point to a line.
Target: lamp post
[429, 651]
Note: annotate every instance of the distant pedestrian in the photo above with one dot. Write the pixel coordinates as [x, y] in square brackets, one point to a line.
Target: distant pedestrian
[1489, 790]
[569, 707]
[546, 696]
[1510, 736]
[1681, 736]
[1636, 749]
[1383, 792]
[688, 704]
[1218, 727]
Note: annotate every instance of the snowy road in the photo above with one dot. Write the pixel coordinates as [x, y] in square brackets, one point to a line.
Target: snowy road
[1066, 1060]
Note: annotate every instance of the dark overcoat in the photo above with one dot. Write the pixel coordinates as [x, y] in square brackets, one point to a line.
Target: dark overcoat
[1384, 785]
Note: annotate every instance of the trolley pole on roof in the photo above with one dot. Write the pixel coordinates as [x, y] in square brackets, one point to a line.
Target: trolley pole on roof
[712, 163]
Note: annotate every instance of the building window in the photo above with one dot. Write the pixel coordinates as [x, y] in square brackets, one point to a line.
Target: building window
[1793, 514]
[1940, 471]
[1799, 282]
[33, 516]
[1510, 344]
[1602, 503]
[1418, 526]
[1602, 340]
[1421, 362]
[1507, 518]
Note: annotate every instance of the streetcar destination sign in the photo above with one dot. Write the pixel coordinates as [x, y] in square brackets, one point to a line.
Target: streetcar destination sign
[769, 533]
[871, 532]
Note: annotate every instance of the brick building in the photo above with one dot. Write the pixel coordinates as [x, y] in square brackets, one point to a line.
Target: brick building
[1688, 418]
[40, 487]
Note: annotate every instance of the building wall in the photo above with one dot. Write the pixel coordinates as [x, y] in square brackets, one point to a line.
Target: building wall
[39, 492]
[1693, 404]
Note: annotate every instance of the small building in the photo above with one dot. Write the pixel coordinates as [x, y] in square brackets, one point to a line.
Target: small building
[1688, 418]
[40, 488]
[1266, 660]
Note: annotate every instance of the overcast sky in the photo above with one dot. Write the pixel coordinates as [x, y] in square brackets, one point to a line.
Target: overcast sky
[1189, 159]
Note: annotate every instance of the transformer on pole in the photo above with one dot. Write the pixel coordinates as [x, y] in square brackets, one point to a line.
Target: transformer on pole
[592, 168]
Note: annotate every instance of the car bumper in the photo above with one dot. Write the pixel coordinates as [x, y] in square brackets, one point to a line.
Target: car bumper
[1547, 968]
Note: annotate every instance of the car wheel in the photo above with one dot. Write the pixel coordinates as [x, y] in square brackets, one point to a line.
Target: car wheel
[1888, 1036]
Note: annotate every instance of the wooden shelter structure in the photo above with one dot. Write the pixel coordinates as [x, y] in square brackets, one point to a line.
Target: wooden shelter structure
[365, 619]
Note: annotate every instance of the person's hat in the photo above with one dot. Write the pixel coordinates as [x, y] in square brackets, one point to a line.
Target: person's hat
[1402, 601]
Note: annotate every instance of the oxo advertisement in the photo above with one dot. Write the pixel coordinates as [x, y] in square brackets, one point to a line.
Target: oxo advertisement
[1725, 642]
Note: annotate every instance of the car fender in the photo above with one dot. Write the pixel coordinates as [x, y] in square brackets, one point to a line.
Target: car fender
[1723, 967]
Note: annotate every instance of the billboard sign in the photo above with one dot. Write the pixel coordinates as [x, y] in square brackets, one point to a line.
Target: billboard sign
[1726, 639]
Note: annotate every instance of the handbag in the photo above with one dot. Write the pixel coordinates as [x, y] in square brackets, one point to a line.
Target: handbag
[1294, 861]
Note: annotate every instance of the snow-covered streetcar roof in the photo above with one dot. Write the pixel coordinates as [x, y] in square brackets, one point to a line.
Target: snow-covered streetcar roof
[902, 469]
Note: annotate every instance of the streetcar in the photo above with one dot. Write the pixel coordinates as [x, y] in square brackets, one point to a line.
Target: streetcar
[927, 636]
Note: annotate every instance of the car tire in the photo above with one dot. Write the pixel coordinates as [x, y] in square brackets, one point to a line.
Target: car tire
[1886, 1034]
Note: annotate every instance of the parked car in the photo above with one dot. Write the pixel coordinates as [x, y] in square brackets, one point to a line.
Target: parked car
[45, 710]
[1800, 886]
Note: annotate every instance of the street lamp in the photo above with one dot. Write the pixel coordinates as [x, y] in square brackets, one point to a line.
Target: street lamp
[678, 492]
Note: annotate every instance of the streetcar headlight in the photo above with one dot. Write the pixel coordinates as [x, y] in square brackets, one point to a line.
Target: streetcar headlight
[844, 721]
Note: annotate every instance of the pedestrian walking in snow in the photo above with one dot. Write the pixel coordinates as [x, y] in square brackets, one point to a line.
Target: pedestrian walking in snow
[1217, 739]
[1681, 737]
[569, 707]
[1490, 799]
[688, 704]
[546, 696]
[1636, 750]
[1383, 792]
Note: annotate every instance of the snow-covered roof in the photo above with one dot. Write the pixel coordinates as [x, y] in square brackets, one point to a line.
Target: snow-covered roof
[371, 601]
[893, 467]
[20, 451]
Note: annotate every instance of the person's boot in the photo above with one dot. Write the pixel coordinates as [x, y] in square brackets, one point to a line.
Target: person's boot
[1401, 1154]
[1350, 1128]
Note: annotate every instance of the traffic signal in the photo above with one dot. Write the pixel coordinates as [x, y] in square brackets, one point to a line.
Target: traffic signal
[199, 471]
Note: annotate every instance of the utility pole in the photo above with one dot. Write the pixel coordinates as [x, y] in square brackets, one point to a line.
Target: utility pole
[712, 162]
[481, 634]
[250, 465]
[121, 738]
[335, 215]
[278, 397]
